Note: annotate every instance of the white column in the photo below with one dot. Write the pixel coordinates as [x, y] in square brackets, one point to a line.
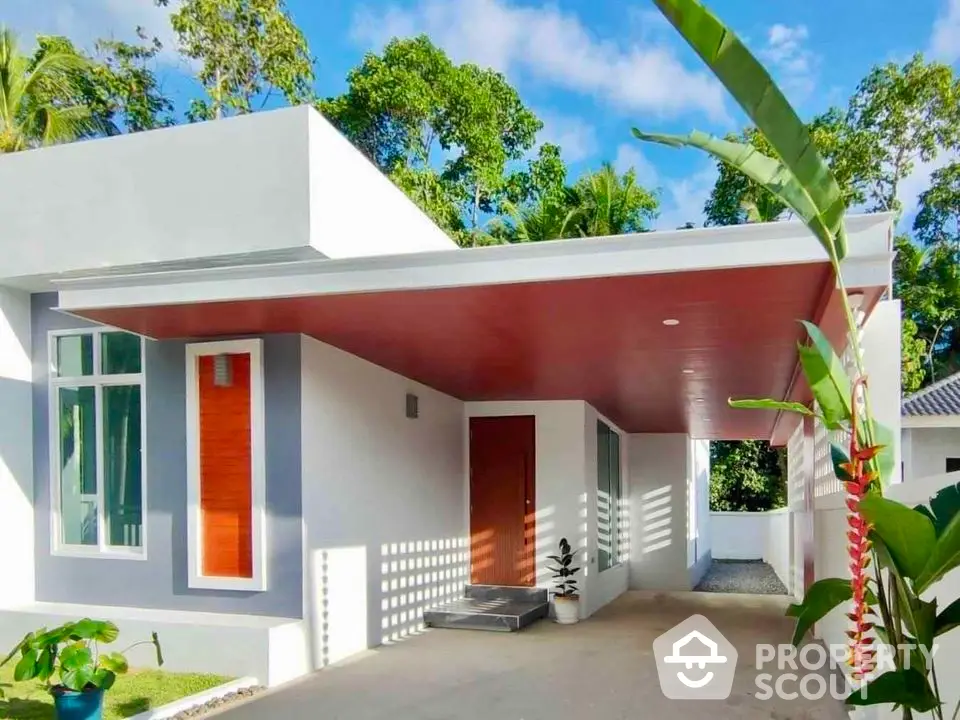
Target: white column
[881, 360]
[16, 448]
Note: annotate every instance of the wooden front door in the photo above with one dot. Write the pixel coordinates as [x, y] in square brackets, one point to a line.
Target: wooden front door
[502, 503]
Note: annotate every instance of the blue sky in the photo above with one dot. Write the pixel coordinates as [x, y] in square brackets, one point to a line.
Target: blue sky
[591, 69]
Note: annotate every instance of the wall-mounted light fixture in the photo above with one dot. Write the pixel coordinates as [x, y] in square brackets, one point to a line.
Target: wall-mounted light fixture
[222, 371]
[413, 406]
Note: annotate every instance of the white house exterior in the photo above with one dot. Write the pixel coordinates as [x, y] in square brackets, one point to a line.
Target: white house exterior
[242, 375]
[931, 430]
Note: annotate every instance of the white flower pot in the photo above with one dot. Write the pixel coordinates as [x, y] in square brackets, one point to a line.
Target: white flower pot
[566, 610]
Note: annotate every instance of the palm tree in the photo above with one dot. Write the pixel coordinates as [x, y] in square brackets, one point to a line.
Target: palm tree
[35, 93]
[608, 203]
[551, 217]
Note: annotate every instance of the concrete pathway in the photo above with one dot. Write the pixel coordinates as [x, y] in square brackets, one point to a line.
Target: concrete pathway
[742, 576]
[602, 668]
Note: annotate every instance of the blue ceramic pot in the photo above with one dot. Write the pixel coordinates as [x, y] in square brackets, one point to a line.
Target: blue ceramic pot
[73, 705]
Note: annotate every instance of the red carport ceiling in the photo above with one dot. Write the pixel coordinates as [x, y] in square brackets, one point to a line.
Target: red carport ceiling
[600, 339]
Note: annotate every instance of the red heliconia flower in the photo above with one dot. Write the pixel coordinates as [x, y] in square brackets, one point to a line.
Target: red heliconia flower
[862, 656]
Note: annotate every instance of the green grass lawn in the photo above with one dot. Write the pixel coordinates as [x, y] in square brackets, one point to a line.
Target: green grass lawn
[133, 693]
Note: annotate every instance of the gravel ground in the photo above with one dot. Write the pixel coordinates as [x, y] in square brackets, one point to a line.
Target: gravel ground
[741, 576]
[219, 703]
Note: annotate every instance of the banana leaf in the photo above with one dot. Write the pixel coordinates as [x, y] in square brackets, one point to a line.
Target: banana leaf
[763, 102]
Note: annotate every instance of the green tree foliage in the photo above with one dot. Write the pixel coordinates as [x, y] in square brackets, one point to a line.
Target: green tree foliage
[116, 85]
[248, 51]
[35, 93]
[938, 220]
[908, 113]
[445, 133]
[746, 476]
[608, 203]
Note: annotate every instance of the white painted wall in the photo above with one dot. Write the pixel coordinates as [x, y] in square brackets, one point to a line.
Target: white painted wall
[699, 531]
[233, 186]
[354, 209]
[16, 449]
[754, 536]
[926, 449]
[283, 182]
[384, 502]
[880, 342]
[658, 511]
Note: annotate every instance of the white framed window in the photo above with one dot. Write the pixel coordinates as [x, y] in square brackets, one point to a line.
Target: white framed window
[97, 443]
[609, 490]
[226, 466]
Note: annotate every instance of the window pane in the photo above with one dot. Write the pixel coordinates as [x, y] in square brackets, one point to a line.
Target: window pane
[74, 355]
[78, 465]
[122, 443]
[120, 353]
[604, 559]
[614, 497]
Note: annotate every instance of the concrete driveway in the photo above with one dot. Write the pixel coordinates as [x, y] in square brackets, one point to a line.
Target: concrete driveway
[601, 669]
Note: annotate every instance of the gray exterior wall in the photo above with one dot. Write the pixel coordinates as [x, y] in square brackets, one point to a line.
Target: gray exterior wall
[161, 581]
[925, 451]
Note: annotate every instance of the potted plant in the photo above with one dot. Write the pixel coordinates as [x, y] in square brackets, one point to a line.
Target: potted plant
[566, 602]
[71, 653]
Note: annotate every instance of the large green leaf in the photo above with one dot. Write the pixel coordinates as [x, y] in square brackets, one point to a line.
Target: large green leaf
[104, 679]
[754, 90]
[944, 506]
[100, 630]
[766, 171]
[826, 376]
[948, 619]
[821, 597]
[901, 687]
[26, 668]
[907, 534]
[75, 656]
[944, 556]
[883, 462]
[78, 678]
[114, 662]
[839, 458]
[770, 404]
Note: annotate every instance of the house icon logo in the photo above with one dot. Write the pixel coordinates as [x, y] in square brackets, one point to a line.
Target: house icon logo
[695, 661]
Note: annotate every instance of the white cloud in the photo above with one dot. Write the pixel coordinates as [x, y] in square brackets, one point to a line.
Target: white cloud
[793, 63]
[945, 39]
[553, 47]
[576, 137]
[682, 199]
[629, 156]
[84, 21]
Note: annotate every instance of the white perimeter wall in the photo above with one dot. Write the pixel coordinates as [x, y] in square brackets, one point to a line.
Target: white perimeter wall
[925, 451]
[16, 449]
[384, 503]
[661, 468]
[754, 536]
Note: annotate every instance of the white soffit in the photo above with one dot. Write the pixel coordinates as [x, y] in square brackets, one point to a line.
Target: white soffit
[782, 243]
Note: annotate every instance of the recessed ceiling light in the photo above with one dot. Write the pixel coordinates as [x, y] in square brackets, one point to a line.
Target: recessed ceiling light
[670, 322]
[688, 371]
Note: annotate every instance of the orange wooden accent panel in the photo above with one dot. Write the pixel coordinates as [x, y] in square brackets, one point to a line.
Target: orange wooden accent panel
[225, 471]
[502, 500]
